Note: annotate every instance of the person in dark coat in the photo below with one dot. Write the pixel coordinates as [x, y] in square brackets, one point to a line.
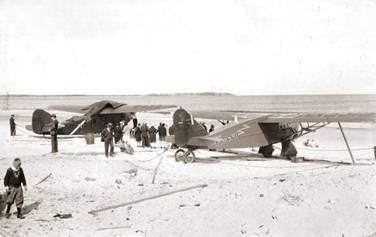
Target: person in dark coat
[211, 128]
[137, 134]
[118, 133]
[13, 181]
[153, 134]
[145, 135]
[53, 133]
[171, 130]
[107, 136]
[12, 124]
[162, 132]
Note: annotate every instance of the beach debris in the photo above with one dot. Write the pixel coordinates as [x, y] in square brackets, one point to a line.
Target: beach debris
[114, 228]
[282, 180]
[93, 212]
[63, 216]
[292, 200]
[182, 205]
[88, 179]
[332, 201]
[118, 181]
[369, 207]
[44, 179]
[261, 195]
[132, 172]
[372, 235]
[197, 205]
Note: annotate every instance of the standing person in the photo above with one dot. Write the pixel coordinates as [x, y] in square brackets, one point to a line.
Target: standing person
[107, 136]
[12, 124]
[153, 134]
[134, 120]
[126, 131]
[137, 134]
[162, 132]
[211, 128]
[13, 181]
[53, 133]
[145, 135]
[118, 134]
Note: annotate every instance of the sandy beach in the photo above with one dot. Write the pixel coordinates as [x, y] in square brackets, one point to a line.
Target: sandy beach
[246, 195]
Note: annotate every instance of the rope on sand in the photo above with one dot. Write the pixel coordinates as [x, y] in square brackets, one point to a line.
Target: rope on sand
[156, 168]
[155, 157]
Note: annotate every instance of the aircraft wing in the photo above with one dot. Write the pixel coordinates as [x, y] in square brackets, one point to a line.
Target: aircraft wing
[288, 117]
[134, 108]
[108, 107]
[321, 117]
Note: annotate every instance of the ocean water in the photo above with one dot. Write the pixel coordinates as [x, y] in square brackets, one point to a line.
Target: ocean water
[298, 103]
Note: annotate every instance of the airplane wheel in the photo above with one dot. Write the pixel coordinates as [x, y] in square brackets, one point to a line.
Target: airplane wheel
[179, 155]
[189, 157]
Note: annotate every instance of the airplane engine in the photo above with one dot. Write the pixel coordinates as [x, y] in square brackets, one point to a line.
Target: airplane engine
[40, 118]
[185, 127]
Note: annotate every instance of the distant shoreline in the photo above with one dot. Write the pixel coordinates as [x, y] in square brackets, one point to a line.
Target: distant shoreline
[177, 94]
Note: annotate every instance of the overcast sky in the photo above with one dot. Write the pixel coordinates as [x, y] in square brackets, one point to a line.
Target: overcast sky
[168, 46]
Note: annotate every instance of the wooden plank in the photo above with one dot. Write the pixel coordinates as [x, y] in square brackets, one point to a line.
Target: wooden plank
[93, 212]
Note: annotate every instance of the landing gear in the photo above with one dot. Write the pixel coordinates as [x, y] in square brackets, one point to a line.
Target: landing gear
[266, 151]
[288, 150]
[185, 156]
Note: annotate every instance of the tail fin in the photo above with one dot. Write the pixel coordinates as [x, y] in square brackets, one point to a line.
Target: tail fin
[185, 127]
[40, 122]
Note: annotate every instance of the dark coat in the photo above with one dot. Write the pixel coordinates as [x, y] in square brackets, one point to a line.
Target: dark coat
[118, 133]
[162, 131]
[54, 128]
[14, 178]
[137, 134]
[153, 134]
[12, 123]
[144, 130]
[107, 135]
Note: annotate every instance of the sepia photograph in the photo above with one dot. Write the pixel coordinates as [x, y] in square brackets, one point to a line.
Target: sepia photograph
[188, 118]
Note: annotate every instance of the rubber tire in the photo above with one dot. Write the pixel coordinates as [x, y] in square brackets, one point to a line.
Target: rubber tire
[179, 157]
[189, 157]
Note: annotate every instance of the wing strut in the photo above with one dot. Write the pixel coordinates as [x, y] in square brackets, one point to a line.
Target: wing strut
[78, 126]
[347, 143]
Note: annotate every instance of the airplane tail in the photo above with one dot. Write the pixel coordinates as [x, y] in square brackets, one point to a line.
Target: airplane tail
[186, 127]
[40, 121]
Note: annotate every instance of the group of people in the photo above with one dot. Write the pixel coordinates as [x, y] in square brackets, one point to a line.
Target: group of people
[146, 136]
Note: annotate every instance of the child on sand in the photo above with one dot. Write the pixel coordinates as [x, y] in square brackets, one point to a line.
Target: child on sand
[12, 182]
